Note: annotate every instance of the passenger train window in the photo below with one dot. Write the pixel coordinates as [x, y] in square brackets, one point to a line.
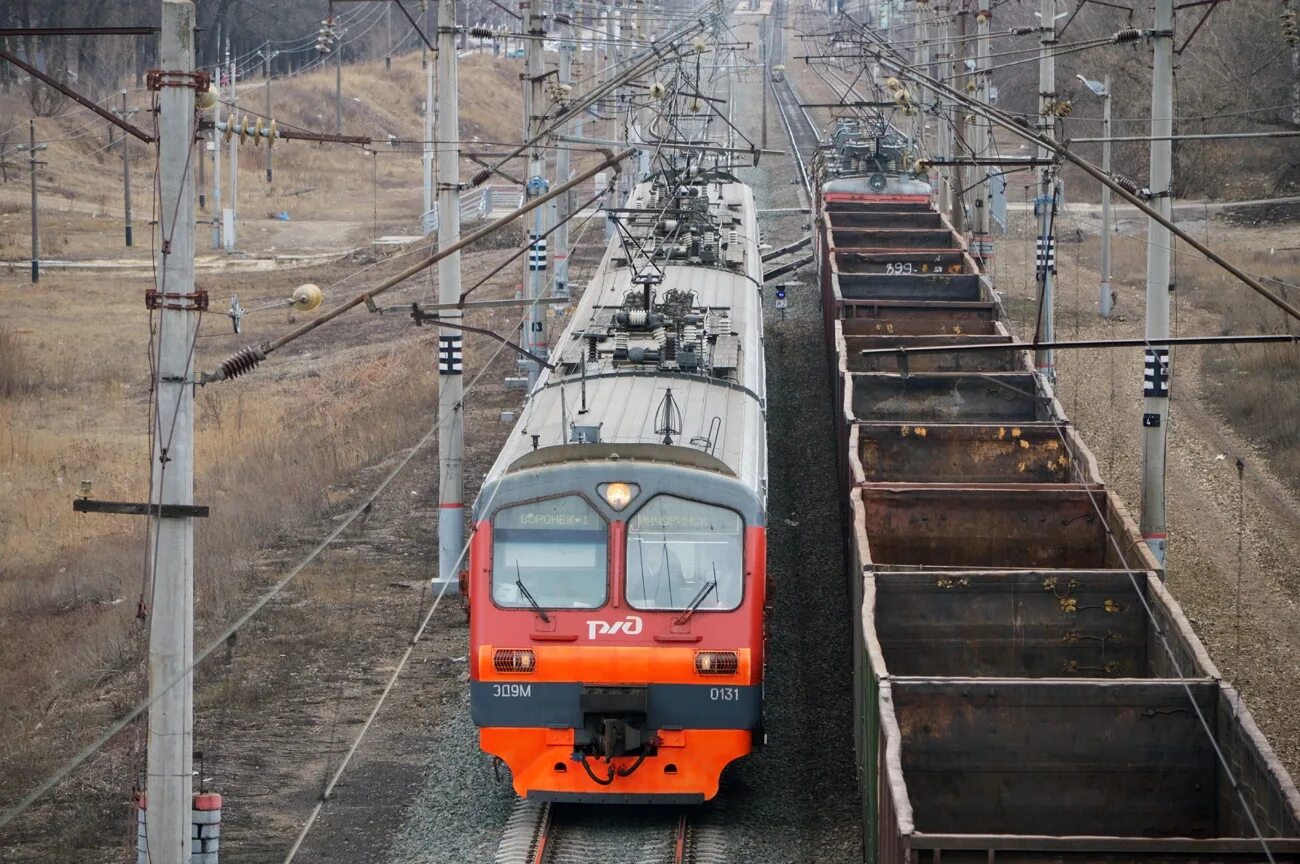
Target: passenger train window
[682, 553]
[554, 550]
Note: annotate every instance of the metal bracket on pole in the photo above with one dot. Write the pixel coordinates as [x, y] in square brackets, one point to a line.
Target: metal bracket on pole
[130, 508]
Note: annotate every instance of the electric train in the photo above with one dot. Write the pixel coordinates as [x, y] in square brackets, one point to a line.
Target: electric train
[617, 570]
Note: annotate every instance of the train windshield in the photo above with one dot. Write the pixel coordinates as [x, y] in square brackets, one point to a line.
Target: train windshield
[682, 554]
[550, 554]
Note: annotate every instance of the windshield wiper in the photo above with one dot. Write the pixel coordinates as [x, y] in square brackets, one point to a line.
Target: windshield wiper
[537, 607]
[699, 598]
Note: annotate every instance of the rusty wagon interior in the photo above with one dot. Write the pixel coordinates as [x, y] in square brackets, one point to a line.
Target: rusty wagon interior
[1028, 688]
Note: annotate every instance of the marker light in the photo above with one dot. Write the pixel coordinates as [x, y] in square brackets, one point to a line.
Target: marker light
[619, 495]
[517, 661]
[717, 662]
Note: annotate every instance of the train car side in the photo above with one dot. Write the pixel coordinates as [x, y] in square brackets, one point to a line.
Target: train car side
[1027, 688]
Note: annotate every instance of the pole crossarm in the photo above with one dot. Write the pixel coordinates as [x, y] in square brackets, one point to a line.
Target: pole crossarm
[419, 315]
[77, 31]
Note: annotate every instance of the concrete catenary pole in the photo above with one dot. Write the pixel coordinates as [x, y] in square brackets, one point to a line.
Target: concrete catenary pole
[451, 416]
[535, 262]
[982, 139]
[426, 158]
[610, 103]
[640, 36]
[960, 149]
[36, 225]
[622, 118]
[338, 80]
[1155, 384]
[765, 70]
[171, 613]
[218, 225]
[562, 209]
[1046, 254]
[921, 53]
[233, 155]
[943, 105]
[266, 73]
[126, 177]
[1106, 217]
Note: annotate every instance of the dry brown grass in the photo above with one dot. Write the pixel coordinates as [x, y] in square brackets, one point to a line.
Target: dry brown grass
[1256, 388]
[336, 195]
[16, 376]
[275, 451]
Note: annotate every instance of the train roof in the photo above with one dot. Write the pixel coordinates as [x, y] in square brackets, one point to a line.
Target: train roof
[689, 368]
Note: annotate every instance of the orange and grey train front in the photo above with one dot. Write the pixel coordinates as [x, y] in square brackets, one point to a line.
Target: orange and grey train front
[616, 629]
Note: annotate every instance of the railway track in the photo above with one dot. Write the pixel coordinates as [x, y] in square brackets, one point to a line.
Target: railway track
[547, 833]
[799, 126]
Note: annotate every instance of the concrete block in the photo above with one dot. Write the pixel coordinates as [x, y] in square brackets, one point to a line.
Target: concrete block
[205, 817]
[203, 858]
[207, 831]
[194, 830]
[211, 845]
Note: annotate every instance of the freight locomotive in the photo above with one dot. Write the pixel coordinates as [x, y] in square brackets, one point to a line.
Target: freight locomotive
[617, 568]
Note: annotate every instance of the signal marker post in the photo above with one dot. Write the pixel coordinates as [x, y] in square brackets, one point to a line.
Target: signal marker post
[451, 416]
[171, 612]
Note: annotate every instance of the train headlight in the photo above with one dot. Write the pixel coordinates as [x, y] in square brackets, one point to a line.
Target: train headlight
[516, 661]
[717, 662]
[619, 495]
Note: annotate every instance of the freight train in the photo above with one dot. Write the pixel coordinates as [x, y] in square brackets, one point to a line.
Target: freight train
[1026, 687]
[617, 569]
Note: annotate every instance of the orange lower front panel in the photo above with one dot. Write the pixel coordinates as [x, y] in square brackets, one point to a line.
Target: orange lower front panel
[687, 766]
